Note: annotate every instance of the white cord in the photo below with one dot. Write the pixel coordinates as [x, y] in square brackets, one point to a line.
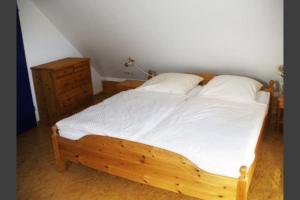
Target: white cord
[143, 70]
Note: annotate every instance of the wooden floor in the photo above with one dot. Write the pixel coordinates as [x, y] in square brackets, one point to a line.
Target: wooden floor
[38, 179]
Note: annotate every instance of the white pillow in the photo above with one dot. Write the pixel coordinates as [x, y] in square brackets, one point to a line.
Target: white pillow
[195, 91]
[233, 88]
[175, 83]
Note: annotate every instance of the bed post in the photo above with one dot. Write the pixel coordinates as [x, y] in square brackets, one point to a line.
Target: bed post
[242, 185]
[60, 163]
[271, 86]
[271, 90]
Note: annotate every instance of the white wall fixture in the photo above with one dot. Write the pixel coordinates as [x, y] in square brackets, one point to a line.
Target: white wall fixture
[131, 63]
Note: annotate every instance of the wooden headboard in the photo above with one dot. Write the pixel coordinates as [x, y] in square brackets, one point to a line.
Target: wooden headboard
[206, 77]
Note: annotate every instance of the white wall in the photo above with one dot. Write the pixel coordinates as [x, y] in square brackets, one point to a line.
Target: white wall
[44, 43]
[223, 36]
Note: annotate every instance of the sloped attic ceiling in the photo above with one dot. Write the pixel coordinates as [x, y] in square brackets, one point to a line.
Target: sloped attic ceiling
[233, 36]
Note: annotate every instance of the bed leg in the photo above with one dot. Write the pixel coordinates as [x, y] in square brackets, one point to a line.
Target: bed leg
[60, 163]
[242, 186]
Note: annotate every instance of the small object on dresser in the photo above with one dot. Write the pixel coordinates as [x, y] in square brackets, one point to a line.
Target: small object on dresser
[63, 87]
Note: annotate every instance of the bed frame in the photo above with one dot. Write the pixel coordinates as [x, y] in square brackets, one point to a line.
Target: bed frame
[155, 166]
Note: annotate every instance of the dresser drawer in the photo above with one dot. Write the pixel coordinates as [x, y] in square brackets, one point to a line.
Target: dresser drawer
[81, 66]
[83, 76]
[78, 93]
[73, 104]
[64, 72]
[79, 90]
[71, 81]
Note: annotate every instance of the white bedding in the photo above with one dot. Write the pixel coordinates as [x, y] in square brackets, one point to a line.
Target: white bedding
[218, 136]
[125, 115]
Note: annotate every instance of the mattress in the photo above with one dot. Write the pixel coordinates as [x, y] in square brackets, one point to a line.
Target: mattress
[217, 136]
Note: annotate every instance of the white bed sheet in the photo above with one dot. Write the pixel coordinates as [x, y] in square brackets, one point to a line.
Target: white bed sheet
[218, 136]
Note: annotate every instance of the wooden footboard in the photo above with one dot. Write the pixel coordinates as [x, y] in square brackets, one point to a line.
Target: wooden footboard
[144, 164]
[152, 166]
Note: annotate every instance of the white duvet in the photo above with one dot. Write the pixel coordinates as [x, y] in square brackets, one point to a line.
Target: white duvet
[218, 136]
[125, 115]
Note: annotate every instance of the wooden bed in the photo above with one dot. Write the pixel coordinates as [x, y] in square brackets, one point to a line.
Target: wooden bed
[155, 166]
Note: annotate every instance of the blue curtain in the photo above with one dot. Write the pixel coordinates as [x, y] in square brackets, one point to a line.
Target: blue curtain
[25, 109]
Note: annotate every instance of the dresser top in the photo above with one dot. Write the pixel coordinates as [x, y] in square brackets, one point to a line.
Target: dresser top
[59, 64]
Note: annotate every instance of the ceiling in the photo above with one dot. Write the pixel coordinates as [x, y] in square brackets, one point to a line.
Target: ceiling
[234, 36]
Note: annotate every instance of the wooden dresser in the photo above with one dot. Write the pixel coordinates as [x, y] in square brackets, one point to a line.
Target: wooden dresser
[63, 87]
